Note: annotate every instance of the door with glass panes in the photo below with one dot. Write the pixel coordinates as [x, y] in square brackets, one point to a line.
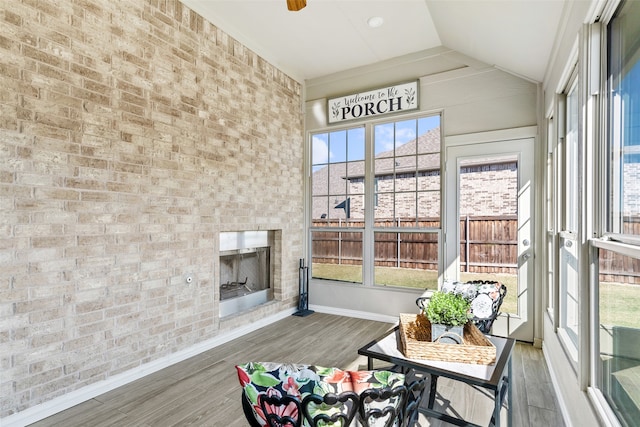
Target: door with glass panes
[489, 225]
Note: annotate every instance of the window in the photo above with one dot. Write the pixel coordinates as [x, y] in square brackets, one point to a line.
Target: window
[617, 284]
[569, 265]
[550, 202]
[396, 206]
[337, 199]
[619, 333]
[624, 119]
[338, 178]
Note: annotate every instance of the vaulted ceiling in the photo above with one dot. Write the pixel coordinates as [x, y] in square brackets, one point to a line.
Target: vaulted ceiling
[330, 36]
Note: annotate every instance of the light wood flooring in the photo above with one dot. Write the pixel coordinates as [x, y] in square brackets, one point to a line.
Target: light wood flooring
[204, 390]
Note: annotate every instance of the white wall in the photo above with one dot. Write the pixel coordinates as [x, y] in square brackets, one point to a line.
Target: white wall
[473, 98]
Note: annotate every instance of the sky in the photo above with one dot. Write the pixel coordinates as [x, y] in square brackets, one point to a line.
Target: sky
[343, 145]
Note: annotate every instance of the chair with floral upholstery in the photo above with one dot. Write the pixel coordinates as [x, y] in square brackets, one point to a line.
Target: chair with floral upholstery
[319, 390]
[281, 411]
[330, 409]
[382, 407]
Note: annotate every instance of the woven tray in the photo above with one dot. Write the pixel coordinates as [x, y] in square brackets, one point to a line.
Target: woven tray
[415, 343]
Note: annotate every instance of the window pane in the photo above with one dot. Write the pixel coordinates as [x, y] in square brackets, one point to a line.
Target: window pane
[429, 205]
[407, 259]
[619, 334]
[569, 289]
[401, 173]
[571, 163]
[406, 181]
[429, 141]
[338, 146]
[550, 216]
[384, 140]
[569, 263]
[406, 209]
[337, 182]
[488, 204]
[355, 147]
[407, 196]
[337, 178]
[337, 255]
[624, 136]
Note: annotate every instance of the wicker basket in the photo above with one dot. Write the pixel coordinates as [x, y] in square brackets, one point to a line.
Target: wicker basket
[415, 337]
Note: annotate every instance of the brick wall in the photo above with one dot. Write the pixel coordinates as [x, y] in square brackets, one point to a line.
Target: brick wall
[490, 189]
[485, 190]
[631, 191]
[131, 134]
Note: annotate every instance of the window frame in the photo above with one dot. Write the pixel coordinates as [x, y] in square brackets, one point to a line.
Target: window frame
[569, 338]
[371, 196]
[603, 238]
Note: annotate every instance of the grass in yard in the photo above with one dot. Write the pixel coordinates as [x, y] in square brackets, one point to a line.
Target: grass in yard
[412, 278]
[386, 276]
[341, 272]
[619, 304]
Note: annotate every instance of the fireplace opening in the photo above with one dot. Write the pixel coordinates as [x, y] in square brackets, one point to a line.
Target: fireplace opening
[245, 270]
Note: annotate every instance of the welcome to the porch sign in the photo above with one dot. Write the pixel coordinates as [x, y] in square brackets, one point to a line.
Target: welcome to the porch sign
[392, 99]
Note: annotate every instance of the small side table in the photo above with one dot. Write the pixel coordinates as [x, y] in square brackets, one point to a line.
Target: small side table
[495, 377]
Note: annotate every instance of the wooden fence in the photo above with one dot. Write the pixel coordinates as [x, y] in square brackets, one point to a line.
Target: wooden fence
[611, 263]
[488, 244]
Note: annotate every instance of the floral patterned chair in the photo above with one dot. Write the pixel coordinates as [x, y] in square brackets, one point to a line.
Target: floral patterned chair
[281, 410]
[330, 409]
[485, 297]
[325, 396]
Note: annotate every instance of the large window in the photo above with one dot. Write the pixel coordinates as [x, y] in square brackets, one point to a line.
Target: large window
[377, 186]
[617, 285]
[624, 119]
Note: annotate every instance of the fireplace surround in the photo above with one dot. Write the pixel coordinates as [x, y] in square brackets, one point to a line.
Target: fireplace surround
[245, 270]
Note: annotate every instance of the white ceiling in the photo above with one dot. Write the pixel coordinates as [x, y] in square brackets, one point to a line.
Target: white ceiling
[329, 36]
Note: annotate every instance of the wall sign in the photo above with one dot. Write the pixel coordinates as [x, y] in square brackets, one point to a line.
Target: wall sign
[392, 99]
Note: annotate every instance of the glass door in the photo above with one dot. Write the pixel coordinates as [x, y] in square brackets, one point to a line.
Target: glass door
[493, 225]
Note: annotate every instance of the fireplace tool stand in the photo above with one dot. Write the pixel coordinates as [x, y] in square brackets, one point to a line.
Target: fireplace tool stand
[303, 281]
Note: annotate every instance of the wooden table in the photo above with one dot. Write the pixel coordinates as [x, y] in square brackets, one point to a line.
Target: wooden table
[494, 377]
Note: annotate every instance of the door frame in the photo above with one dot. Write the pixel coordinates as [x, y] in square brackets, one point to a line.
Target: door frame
[520, 142]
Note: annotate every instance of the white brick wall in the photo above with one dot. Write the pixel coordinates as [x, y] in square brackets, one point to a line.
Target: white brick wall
[131, 134]
[484, 190]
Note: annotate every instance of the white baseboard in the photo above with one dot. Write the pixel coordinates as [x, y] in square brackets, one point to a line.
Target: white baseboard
[68, 400]
[554, 382]
[354, 313]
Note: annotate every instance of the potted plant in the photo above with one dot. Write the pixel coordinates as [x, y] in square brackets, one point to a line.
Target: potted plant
[448, 313]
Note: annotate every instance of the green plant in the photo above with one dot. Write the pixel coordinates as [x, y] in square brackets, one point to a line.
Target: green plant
[448, 309]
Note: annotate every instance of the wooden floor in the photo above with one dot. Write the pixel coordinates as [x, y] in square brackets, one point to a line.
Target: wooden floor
[204, 390]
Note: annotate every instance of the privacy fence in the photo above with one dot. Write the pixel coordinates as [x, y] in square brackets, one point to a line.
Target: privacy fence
[488, 244]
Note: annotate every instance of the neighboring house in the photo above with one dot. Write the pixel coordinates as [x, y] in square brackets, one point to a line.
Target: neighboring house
[493, 184]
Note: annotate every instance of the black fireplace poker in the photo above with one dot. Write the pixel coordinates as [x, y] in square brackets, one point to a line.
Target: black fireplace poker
[303, 283]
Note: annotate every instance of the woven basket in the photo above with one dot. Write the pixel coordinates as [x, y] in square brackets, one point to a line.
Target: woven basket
[415, 337]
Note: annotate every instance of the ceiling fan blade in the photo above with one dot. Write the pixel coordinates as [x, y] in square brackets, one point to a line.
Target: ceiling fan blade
[296, 5]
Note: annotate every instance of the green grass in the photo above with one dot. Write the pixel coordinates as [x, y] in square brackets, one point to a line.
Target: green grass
[412, 278]
[619, 303]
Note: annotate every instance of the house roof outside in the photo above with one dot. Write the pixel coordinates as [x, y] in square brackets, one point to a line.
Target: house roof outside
[335, 182]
